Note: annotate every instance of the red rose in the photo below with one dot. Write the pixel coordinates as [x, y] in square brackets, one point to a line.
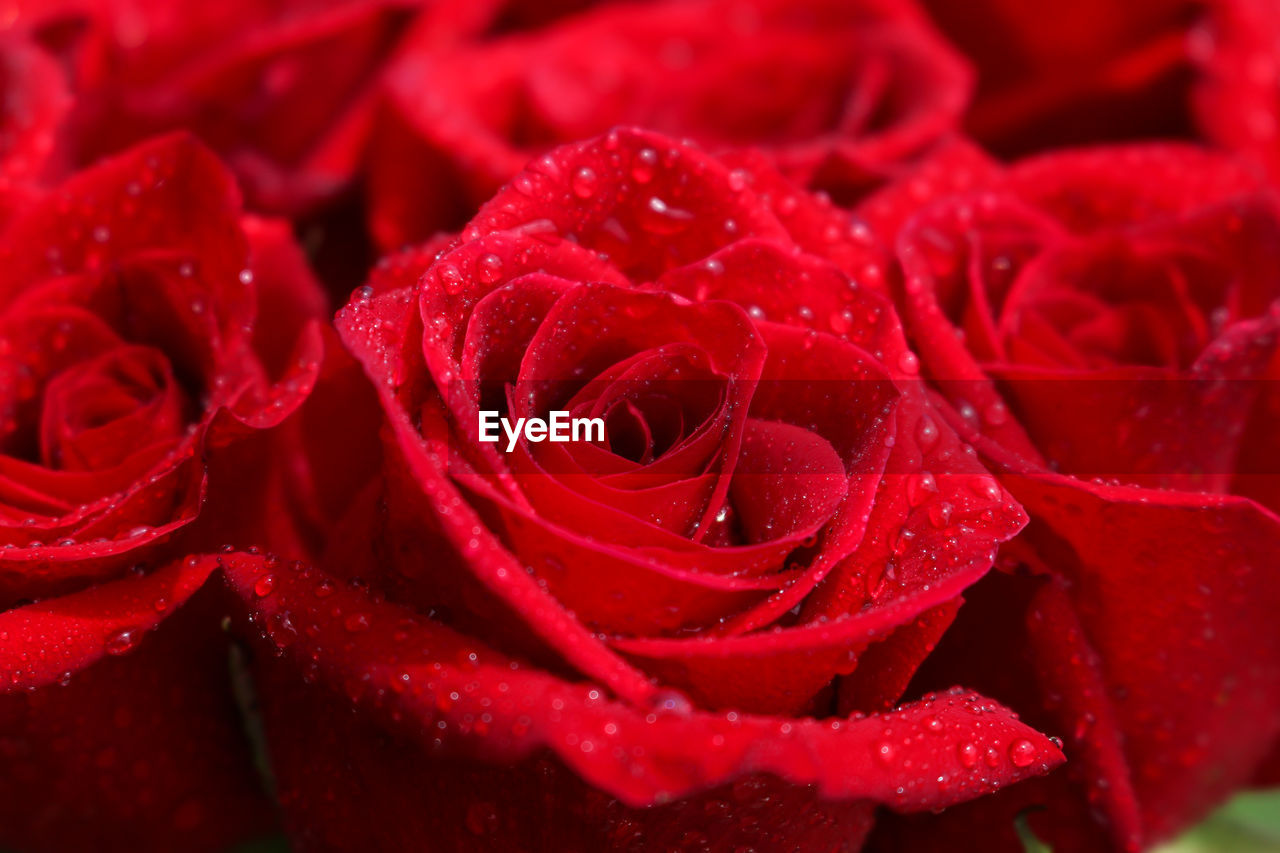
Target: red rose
[1053, 74]
[149, 333]
[36, 102]
[243, 76]
[697, 627]
[1104, 324]
[841, 94]
[1238, 63]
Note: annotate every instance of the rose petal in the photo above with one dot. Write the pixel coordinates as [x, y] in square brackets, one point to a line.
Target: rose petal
[880, 758]
[144, 751]
[46, 640]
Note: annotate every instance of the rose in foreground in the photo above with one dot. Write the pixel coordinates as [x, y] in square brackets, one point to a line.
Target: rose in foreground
[697, 628]
[1104, 324]
[137, 382]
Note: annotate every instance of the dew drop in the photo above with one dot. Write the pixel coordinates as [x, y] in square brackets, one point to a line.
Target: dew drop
[841, 321]
[926, 432]
[661, 218]
[920, 486]
[984, 486]
[642, 168]
[1022, 753]
[671, 702]
[585, 183]
[489, 268]
[121, 642]
[450, 278]
[902, 542]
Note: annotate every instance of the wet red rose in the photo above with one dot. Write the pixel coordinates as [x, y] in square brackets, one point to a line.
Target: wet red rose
[840, 94]
[923, 481]
[715, 608]
[136, 382]
[1104, 324]
[234, 76]
[243, 76]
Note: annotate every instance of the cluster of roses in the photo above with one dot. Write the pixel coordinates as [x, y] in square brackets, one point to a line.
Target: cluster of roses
[937, 346]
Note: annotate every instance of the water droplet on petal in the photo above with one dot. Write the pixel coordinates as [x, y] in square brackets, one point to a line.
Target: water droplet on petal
[671, 702]
[642, 169]
[1023, 753]
[121, 642]
[926, 432]
[661, 218]
[450, 278]
[985, 486]
[585, 183]
[920, 487]
[489, 268]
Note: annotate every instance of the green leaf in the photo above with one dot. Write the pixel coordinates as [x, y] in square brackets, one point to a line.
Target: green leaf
[1250, 823]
